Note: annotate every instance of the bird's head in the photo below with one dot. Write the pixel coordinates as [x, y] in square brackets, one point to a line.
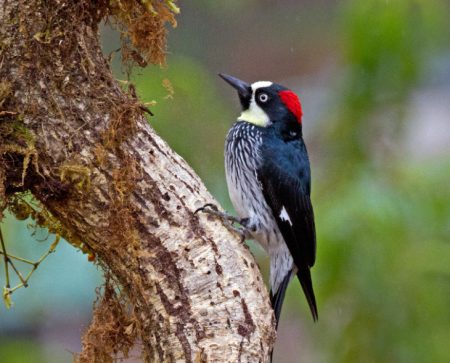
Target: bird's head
[264, 103]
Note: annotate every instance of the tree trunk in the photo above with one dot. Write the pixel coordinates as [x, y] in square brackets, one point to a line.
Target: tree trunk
[82, 146]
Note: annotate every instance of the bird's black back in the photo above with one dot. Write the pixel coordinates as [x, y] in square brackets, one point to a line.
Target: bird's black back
[286, 181]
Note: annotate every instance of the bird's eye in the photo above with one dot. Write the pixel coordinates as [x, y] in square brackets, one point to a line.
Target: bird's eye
[263, 97]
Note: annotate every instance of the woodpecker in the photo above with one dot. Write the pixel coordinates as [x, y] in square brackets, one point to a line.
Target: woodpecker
[269, 182]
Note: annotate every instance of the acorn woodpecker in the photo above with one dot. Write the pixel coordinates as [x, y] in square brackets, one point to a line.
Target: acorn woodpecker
[269, 182]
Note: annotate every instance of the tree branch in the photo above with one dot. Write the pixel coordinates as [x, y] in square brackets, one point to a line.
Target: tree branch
[90, 157]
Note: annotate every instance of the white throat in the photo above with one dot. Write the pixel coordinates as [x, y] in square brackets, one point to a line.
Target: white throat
[255, 114]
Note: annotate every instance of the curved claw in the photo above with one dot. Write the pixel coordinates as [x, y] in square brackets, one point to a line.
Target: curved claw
[207, 205]
[227, 220]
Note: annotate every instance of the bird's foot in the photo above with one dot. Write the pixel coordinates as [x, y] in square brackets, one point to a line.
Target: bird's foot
[212, 209]
[227, 219]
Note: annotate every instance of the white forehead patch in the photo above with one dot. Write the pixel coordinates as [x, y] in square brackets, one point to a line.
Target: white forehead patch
[260, 84]
[255, 114]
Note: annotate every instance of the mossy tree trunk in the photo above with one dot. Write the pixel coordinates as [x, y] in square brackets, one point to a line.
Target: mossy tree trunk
[189, 289]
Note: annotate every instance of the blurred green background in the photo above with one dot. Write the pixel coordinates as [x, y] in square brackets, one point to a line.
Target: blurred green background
[374, 80]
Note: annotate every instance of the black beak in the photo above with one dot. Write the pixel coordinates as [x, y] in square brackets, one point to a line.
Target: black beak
[243, 88]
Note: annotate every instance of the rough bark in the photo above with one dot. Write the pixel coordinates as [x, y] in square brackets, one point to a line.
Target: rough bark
[93, 161]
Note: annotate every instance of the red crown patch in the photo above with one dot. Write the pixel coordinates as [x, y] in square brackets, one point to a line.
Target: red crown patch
[291, 101]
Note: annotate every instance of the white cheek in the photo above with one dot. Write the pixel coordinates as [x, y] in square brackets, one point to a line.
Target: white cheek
[255, 114]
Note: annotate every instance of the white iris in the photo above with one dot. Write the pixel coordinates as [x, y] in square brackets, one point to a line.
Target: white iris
[263, 97]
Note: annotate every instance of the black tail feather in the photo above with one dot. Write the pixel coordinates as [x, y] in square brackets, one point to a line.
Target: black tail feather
[277, 301]
[278, 298]
[304, 276]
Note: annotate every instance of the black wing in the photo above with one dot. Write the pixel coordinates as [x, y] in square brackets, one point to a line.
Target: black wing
[285, 178]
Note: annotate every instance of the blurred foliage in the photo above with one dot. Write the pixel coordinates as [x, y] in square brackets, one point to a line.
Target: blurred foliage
[39, 326]
[383, 266]
[383, 222]
[20, 351]
[385, 45]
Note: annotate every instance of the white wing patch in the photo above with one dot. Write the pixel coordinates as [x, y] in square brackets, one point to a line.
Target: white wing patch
[284, 216]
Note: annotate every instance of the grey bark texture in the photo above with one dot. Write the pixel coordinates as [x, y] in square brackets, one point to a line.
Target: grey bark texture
[93, 161]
